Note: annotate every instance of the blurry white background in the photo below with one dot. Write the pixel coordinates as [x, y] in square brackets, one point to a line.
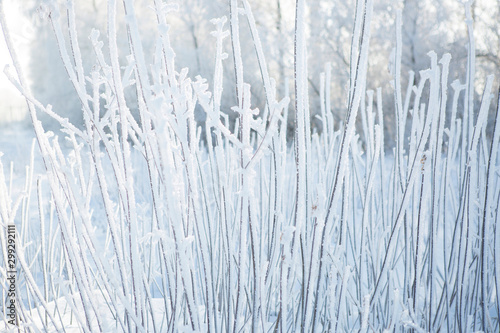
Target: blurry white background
[12, 104]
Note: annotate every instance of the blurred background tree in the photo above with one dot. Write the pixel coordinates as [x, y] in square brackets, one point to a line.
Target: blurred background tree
[427, 25]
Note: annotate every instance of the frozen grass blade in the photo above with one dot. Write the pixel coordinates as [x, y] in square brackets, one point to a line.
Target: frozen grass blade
[156, 221]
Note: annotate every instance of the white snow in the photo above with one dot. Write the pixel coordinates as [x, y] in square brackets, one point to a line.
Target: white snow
[143, 219]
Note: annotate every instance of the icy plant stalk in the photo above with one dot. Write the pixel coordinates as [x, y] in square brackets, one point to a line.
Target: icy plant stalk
[157, 223]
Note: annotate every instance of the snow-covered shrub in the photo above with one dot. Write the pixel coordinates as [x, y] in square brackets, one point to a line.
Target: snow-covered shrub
[144, 226]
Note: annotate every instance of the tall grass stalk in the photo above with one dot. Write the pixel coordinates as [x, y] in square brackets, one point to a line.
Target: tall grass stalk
[145, 220]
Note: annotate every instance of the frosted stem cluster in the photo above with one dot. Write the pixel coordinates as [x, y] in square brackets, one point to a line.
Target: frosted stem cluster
[149, 220]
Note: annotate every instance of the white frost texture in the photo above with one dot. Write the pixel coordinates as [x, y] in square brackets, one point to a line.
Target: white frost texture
[174, 208]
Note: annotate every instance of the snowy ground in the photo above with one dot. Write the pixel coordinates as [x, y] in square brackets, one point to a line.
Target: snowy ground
[15, 143]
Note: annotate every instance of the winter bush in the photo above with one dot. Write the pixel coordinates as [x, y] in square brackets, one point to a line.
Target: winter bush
[142, 224]
[428, 25]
